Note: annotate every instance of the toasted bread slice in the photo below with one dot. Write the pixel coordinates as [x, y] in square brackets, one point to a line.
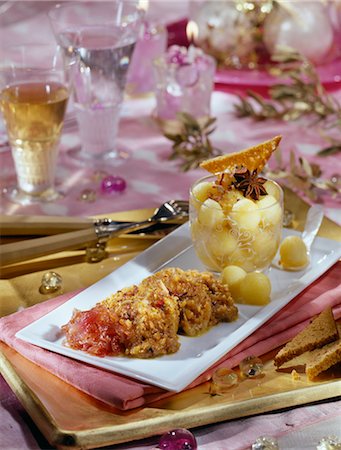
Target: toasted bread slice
[323, 358]
[319, 332]
[252, 158]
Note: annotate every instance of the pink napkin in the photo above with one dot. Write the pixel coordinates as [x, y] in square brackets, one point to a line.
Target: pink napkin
[125, 393]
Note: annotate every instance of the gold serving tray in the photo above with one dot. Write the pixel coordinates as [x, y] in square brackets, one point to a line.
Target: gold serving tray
[83, 422]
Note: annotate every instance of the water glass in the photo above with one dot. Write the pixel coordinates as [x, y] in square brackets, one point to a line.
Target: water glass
[184, 83]
[102, 35]
[33, 99]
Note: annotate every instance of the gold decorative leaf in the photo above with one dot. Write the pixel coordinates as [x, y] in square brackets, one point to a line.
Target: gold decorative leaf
[302, 94]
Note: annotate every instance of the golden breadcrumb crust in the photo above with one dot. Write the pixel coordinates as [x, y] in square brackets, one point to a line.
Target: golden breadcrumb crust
[144, 320]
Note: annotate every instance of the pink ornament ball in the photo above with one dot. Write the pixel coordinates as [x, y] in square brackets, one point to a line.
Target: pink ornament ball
[178, 439]
[113, 183]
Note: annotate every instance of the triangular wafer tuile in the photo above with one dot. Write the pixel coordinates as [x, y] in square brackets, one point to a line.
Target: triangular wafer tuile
[253, 158]
[322, 330]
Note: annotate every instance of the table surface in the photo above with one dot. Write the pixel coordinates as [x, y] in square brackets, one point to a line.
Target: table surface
[151, 179]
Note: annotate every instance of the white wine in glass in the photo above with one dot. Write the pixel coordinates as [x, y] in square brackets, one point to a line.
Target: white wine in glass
[33, 102]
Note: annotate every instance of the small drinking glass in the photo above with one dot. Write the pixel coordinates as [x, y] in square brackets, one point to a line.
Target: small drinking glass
[234, 230]
[102, 35]
[33, 99]
[184, 81]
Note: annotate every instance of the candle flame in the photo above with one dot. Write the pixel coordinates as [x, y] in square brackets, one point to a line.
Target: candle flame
[192, 31]
[144, 5]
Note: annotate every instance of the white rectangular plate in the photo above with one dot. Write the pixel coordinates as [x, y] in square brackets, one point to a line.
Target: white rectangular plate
[175, 372]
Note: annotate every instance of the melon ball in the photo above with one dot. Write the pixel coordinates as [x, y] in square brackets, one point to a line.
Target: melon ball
[255, 289]
[293, 253]
[211, 214]
[245, 213]
[272, 189]
[233, 276]
[270, 210]
[201, 191]
[266, 244]
[222, 243]
[243, 258]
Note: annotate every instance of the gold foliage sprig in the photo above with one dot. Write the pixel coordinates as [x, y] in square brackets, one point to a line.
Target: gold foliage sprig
[302, 95]
[191, 143]
[304, 177]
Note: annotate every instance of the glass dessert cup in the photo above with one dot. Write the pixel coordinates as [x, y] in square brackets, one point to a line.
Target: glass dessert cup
[235, 230]
[33, 100]
[101, 36]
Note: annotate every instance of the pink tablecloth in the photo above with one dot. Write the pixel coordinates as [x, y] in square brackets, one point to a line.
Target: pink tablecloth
[152, 179]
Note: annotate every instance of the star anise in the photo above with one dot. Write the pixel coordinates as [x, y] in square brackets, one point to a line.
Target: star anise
[249, 183]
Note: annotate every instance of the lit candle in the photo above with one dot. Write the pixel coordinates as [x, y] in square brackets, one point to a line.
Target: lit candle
[184, 82]
[192, 31]
[143, 5]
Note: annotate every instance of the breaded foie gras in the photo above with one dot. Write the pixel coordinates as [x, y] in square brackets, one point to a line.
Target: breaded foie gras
[137, 321]
[203, 300]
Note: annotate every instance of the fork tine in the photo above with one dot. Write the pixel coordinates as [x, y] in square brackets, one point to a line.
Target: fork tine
[181, 203]
[180, 206]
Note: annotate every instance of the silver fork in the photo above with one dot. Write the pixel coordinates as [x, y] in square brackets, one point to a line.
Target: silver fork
[168, 211]
[100, 231]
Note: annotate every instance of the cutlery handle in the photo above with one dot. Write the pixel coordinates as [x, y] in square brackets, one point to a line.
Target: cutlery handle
[41, 225]
[33, 248]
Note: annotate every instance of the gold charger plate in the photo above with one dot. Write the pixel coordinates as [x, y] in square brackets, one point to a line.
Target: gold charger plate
[83, 422]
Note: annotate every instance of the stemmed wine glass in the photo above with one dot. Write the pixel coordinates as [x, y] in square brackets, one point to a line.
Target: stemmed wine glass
[34, 85]
[102, 35]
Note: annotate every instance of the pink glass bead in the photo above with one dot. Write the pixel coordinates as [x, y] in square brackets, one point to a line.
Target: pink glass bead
[113, 183]
[178, 439]
[251, 367]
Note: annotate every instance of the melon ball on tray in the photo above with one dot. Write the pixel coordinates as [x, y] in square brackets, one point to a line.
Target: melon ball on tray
[253, 288]
[233, 276]
[293, 253]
